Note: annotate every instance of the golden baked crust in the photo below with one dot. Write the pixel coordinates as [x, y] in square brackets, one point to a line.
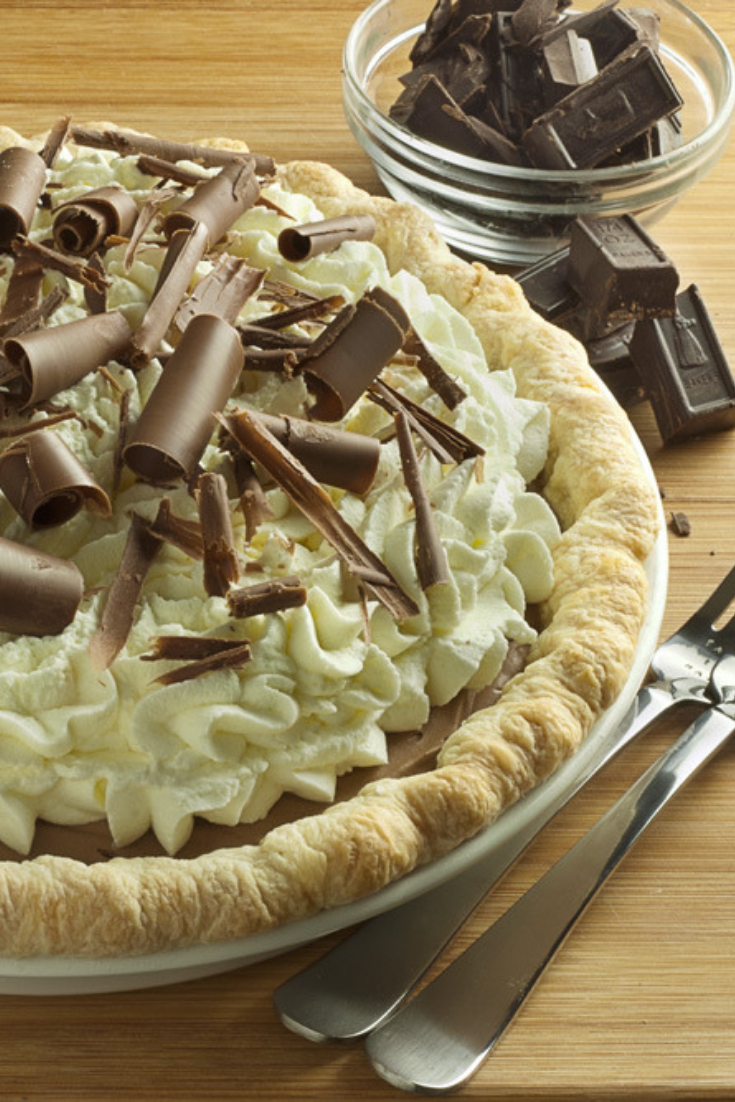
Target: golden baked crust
[594, 482]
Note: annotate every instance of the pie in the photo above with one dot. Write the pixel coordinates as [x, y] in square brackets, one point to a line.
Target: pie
[155, 691]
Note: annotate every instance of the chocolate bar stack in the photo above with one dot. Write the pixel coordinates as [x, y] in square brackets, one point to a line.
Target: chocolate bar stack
[616, 290]
[523, 82]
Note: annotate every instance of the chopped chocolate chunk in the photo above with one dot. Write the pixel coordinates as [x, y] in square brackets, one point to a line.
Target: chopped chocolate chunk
[178, 419]
[431, 558]
[225, 658]
[619, 272]
[22, 180]
[185, 250]
[312, 238]
[547, 287]
[348, 460]
[316, 504]
[146, 217]
[82, 225]
[39, 593]
[223, 291]
[625, 98]
[434, 32]
[428, 109]
[263, 598]
[532, 19]
[117, 619]
[568, 62]
[518, 81]
[45, 482]
[685, 372]
[680, 525]
[221, 564]
[217, 202]
[49, 360]
[342, 363]
[129, 142]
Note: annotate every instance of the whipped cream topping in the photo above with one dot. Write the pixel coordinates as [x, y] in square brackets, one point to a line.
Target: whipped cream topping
[324, 689]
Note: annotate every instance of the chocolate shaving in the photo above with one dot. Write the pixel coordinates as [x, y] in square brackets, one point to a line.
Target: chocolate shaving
[431, 558]
[253, 500]
[36, 426]
[186, 249]
[348, 460]
[23, 294]
[229, 658]
[317, 505]
[300, 311]
[22, 180]
[182, 533]
[177, 421]
[342, 363]
[55, 139]
[312, 238]
[83, 225]
[221, 564]
[263, 598]
[217, 202]
[96, 297]
[170, 170]
[269, 339]
[223, 291]
[39, 593]
[122, 434]
[50, 360]
[45, 482]
[282, 361]
[129, 142]
[447, 443]
[33, 316]
[141, 549]
[85, 274]
[450, 392]
[189, 647]
[146, 217]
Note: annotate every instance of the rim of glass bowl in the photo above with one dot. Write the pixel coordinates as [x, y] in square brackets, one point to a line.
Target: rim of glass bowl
[433, 157]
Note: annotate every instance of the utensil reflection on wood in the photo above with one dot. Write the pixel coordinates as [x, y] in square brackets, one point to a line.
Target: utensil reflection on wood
[356, 986]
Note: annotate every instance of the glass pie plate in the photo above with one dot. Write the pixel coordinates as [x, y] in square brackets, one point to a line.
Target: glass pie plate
[82, 975]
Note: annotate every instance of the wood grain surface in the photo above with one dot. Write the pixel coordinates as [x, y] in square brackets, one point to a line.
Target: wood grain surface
[640, 1004]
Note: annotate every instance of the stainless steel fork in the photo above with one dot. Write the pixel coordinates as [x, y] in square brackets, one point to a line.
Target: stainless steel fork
[352, 989]
[438, 1041]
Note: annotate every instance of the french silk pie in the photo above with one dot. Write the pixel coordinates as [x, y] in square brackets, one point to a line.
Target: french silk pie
[318, 547]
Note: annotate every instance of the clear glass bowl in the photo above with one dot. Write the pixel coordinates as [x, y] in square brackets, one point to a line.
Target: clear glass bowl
[514, 216]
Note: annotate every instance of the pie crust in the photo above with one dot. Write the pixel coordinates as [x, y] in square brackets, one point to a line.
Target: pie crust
[590, 625]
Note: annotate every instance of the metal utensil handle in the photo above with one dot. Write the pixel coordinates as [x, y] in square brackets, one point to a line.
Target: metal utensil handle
[440, 1038]
[353, 988]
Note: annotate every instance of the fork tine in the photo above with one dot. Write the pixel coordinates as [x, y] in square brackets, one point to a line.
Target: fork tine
[717, 602]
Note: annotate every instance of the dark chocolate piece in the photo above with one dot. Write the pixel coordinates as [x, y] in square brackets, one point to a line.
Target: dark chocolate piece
[316, 504]
[434, 32]
[680, 524]
[263, 598]
[342, 363]
[217, 202]
[686, 374]
[427, 109]
[431, 558]
[45, 482]
[619, 272]
[178, 419]
[621, 102]
[532, 19]
[546, 286]
[312, 238]
[49, 360]
[39, 593]
[518, 80]
[82, 225]
[221, 564]
[569, 61]
[22, 180]
[348, 460]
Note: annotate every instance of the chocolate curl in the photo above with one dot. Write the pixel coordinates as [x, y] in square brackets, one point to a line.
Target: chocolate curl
[129, 142]
[253, 500]
[312, 238]
[221, 564]
[22, 180]
[448, 444]
[55, 139]
[177, 422]
[45, 482]
[224, 658]
[264, 598]
[441, 383]
[217, 202]
[343, 362]
[39, 593]
[50, 360]
[348, 460]
[186, 249]
[82, 225]
[86, 274]
[182, 533]
[140, 552]
[431, 558]
[316, 504]
[223, 291]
